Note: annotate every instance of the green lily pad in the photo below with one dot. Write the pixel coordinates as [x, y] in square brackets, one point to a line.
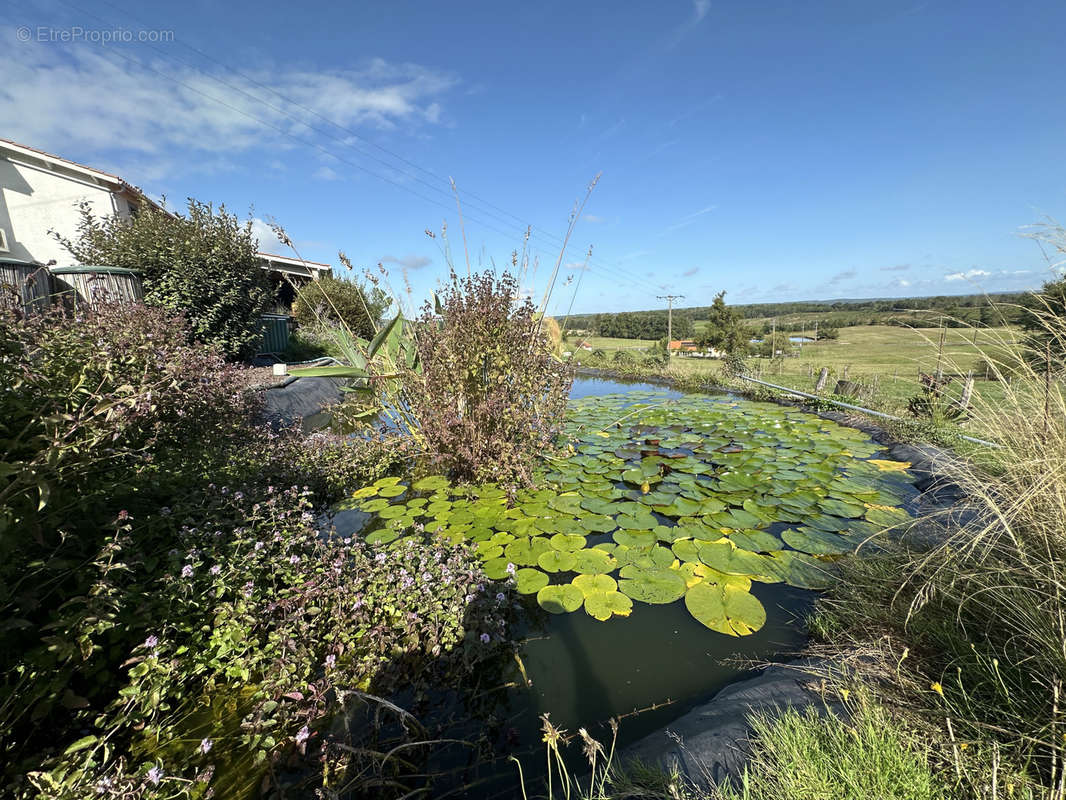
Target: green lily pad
[392, 491]
[431, 483]
[604, 605]
[631, 538]
[556, 561]
[598, 523]
[658, 586]
[392, 512]
[375, 505]
[529, 580]
[815, 542]
[381, 536]
[591, 584]
[755, 541]
[366, 491]
[496, 568]
[563, 541]
[560, 598]
[725, 610]
[594, 561]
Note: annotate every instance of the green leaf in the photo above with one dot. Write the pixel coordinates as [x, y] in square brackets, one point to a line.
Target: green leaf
[726, 610]
[560, 599]
[379, 338]
[657, 586]
[81, 744]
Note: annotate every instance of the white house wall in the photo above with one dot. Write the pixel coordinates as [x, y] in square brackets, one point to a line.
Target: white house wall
[34, 201]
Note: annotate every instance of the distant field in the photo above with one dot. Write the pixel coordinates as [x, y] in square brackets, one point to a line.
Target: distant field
[607, 343]
[887, 358]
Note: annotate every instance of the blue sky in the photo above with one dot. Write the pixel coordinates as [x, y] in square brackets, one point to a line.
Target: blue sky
[777, 150]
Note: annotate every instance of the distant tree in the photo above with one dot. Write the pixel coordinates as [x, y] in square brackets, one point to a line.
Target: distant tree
[1044, 321]
[725, 330]
[333, 300]
[828, 332]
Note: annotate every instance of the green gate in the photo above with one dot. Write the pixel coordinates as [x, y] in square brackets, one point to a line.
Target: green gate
[275, 333]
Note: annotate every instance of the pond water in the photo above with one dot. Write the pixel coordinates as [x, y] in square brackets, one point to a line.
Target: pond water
[748, 501]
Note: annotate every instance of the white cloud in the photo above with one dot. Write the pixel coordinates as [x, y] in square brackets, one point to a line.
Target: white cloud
[409, 262]
[92, 99]
[325, 174]
[700, 9]
[268, 240]
[969, 275]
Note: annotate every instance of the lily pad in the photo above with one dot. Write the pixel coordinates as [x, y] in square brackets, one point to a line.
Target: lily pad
[530, 581]
[657, 586]
[815, 542]
[725, 610]
[431, 483]
[560, 598]
[594, 561]
[604, 605]
[591, 584]
[556, 561]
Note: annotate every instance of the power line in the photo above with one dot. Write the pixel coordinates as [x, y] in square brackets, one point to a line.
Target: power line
[670, 298]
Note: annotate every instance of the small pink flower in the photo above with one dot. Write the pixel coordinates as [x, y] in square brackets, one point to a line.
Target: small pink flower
[206, 745]
[303, 735]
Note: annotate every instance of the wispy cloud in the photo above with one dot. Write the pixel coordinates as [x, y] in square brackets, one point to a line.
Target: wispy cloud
[325, 174]
[409, 262]
[896, 268]
[969, 275]
[593, 218]
[688, 273]
[842, 277]
[700, 9]
[688, 219]
[268, 240]
[77, 98]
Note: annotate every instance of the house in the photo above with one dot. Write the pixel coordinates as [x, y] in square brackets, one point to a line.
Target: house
[683, 346]
[41, 192]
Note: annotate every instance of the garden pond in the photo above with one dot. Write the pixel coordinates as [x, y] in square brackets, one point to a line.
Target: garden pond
[678, 539]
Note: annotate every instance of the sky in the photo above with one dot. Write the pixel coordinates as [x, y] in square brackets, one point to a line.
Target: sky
[779, 151]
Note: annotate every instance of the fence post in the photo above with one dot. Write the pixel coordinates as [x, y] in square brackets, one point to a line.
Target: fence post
[967, 391]
[822, 378]
[846, 368]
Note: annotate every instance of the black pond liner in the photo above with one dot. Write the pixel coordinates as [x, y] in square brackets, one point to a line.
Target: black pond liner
[649, 668]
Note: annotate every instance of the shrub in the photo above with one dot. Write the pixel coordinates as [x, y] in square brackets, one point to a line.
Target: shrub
[202, 264]
[489, 396]
[246, 633]
[329, 300]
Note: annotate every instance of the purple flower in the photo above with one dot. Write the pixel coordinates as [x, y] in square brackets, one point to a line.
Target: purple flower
[380, 558]
[485, 638]
[206, 745]
[331, 660]
[511, 569]
[238, 496]
[165, 511]
[470, 598]
[294, 559]
[155, 774]
[259, 545]
[186, 571]
[303, 735]
[500, 597]
[248, 587]
[215, 569]
[151, 642]
[123, 514]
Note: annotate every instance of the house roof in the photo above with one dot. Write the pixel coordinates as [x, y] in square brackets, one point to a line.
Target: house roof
[293, 262]
[94, 175]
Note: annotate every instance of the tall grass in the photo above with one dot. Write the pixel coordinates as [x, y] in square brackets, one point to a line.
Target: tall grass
[975, 627]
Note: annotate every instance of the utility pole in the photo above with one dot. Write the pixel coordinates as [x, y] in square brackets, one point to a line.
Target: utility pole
[670, 298]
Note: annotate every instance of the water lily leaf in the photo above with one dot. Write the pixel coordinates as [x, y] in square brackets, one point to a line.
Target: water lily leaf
[366, 491]
[604, 605]
[563, 541]
[566, 503]
[802, 570]
[890, 466]
[495, 569]
[592, 584]
[487, 550]
[381, 536]
[685, 549]
[726, 557]
[525, 552]
[598, 523]
[597, 505]
[375, 505]
[725, 610]
[643, 522]
[431, 483]
[392, 512]
[388, 481]
[658, 586]
[530, 581]
[815, 542]
[631, 538]
[556, 561]
[594, 561]
[886, 517]
[840, 508]
[651, 557]
[392, 491]
[755, 541]
[560, 598]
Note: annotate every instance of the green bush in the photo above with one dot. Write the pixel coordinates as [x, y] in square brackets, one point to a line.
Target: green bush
[330, 300]
[202, 264]
[489, 396]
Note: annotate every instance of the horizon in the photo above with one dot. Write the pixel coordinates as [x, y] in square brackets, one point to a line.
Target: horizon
[767, 150]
